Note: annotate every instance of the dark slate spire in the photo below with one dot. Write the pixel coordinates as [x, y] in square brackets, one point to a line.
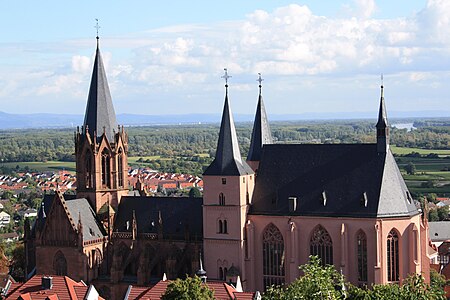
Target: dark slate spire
[261, 131]
[100, 116]
[382, 125]
[228, 160]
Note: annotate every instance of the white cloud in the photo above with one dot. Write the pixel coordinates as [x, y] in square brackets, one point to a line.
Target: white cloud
[289, 42]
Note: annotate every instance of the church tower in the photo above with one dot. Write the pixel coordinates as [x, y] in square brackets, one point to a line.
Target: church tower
[382, 126]
[228, 188]
[101, 146]
[261, 132]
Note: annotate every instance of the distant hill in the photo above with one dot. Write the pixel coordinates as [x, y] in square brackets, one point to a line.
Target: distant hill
[40, 120]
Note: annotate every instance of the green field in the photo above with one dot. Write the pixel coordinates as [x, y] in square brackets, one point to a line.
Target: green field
[403, 151]
[43, 166]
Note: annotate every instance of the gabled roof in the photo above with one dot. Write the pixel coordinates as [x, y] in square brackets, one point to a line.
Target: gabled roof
[76, 207]
[354, 179]
[177, 215]
[92, 229]
[100, 115]
[222, 291]
[63, 288]
[228, 160]
[261, 132]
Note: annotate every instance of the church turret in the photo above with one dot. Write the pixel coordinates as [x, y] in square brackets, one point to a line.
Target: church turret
[228, 160]
[382, 126]
[261, 132]
[228, 187]
[101, 147]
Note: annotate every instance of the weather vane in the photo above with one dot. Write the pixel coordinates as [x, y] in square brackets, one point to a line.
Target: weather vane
[97, 27]
[260, 80]
[226, 76]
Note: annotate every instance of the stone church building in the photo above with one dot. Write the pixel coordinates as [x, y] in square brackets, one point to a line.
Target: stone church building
[259, 218]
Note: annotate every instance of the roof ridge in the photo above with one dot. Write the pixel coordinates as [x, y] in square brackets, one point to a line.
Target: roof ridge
[70, 288]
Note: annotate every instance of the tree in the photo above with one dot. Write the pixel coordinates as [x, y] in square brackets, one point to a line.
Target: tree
[318, 282]
[17, 266]
[187, 289]
[442, 213]
[433, 215]
[194, 192]
[410, 168]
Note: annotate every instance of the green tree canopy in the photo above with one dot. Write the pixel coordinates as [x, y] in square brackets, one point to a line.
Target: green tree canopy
[194, 192]
[187, 289]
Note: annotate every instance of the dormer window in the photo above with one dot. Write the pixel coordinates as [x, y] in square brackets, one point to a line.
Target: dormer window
[224, 181]
[408, 197]
[292, 204]
[324, 198]
[364, 200]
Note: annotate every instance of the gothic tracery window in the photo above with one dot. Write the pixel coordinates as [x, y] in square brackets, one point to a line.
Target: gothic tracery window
[106, 168]
[60, 264]
[361, 244]
[273, 256]
[392, 256]
[88, 170]
[321, 245]
[120, 167]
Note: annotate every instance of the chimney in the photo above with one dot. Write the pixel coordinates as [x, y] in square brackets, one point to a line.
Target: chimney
[47, 282]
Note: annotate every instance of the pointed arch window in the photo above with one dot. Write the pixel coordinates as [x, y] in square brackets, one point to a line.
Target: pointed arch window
[60, 264]
[392, 256]
[225, 226]
[106, 168]
[361, 246]
[221, 199]
[321, 245]
[120, 167]
[220, 229]
[273, 256]
[89, 183]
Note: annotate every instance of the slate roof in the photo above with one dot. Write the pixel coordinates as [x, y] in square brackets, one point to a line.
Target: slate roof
[99, 109]
[228, 160]
[346, 176]
[261, 132]
[439, 231]
[92, 229]
[177, 214]
[382, 115]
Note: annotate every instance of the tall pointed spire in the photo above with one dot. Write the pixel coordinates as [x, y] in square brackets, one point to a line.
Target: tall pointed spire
[261, 131]
[382, 124]
[228, 160]
[100, 116]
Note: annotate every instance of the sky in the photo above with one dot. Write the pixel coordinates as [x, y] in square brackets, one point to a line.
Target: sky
[167, 57]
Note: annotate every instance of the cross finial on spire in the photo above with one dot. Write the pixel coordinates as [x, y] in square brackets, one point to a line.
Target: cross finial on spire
[381, 80]
[226, 76]
[260, 80]
[97, 27]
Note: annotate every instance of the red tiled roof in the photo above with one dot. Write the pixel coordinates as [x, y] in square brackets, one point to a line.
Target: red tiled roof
[63, 288]
[222, 291]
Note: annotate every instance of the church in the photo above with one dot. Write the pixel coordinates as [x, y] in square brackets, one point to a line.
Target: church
[258, 219]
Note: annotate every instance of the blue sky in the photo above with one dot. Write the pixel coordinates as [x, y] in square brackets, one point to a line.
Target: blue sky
[166, 57]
